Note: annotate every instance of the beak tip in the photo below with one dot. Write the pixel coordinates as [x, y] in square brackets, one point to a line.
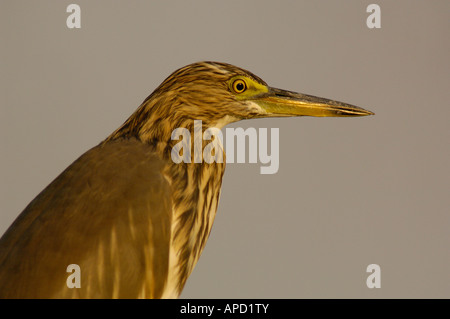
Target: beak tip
[364, 112]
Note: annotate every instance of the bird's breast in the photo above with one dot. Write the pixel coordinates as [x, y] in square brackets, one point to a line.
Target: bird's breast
[194, 207]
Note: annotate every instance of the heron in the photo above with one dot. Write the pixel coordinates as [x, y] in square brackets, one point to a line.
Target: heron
[133, 220]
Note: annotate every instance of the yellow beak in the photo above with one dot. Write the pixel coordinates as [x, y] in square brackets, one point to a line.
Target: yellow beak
[278, 102]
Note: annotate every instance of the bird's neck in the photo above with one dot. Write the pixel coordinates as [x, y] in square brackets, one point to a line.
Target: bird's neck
[195, 196]
[195, 186]
[161, 116]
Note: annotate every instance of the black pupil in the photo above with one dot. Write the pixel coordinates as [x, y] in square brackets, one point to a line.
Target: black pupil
[240, 86]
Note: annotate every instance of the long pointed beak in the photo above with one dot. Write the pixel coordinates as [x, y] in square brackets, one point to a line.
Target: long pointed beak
[278, 102]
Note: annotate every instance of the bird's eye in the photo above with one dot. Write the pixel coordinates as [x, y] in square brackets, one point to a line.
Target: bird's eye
[239, 86]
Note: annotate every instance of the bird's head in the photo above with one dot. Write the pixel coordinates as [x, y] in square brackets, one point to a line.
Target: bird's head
[219, 94]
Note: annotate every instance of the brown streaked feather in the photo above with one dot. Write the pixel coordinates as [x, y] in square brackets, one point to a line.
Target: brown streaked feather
[129, 208]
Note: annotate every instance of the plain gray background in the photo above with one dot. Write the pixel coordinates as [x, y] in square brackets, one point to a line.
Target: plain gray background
[349, 192]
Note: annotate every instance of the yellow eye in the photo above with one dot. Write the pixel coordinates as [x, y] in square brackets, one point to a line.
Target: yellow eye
[239, 86]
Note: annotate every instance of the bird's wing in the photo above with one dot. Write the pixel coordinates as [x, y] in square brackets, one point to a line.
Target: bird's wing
[109, 213]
